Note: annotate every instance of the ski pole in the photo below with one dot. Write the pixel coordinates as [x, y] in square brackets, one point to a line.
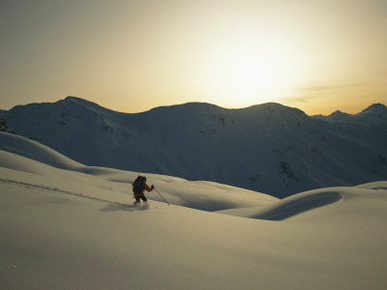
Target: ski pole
[161, 195]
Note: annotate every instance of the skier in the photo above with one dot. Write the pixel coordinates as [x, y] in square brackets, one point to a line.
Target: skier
[139, 185]
[3, 125]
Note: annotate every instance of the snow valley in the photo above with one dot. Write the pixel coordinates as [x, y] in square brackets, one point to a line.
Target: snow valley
[66, 225]
[269, 148]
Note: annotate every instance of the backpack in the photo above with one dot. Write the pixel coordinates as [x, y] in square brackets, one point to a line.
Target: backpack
[139, 184]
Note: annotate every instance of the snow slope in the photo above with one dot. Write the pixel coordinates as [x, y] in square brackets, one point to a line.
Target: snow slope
[73, 227]
[269, 148]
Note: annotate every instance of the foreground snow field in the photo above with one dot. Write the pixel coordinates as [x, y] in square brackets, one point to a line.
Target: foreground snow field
[69, 226]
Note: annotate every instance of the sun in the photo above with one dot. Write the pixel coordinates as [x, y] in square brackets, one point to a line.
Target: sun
[249, 72]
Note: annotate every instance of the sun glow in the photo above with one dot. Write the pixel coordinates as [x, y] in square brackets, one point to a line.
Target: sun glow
[247, 72]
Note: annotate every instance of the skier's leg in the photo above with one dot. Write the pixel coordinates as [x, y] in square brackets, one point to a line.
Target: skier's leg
[137, 200]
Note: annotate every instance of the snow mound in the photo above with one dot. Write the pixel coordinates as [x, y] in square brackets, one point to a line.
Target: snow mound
[309, 201]
[374, 185]
[31, 149]
[36, 151]
[290, 206]
[297, 204]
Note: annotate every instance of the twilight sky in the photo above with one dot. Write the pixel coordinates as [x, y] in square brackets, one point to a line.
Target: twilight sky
[131, 56]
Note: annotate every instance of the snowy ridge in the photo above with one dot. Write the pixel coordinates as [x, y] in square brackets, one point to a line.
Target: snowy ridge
[77, 221]
[269, 148]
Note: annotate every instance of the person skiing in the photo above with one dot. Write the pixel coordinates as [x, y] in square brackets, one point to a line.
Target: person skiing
[139, 185]
[3, 125]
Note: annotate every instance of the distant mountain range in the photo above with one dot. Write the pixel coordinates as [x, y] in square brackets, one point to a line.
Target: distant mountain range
[269, 148]
[375, 115]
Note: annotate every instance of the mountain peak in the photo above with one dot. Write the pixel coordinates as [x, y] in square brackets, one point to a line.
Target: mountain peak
[83, 104]
[79, 101]
[377, 107]
[337, 112]
[375, 114]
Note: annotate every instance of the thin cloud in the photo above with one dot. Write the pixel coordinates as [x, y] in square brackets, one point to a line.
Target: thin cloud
[313, 92]
[327, 88]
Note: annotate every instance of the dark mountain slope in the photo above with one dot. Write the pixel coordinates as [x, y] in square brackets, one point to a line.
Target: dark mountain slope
[271, 148]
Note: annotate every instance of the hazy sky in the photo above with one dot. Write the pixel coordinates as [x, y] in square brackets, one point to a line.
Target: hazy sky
[130, 56]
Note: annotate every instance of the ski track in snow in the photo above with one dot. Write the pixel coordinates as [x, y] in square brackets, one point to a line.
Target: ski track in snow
[55, 189]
